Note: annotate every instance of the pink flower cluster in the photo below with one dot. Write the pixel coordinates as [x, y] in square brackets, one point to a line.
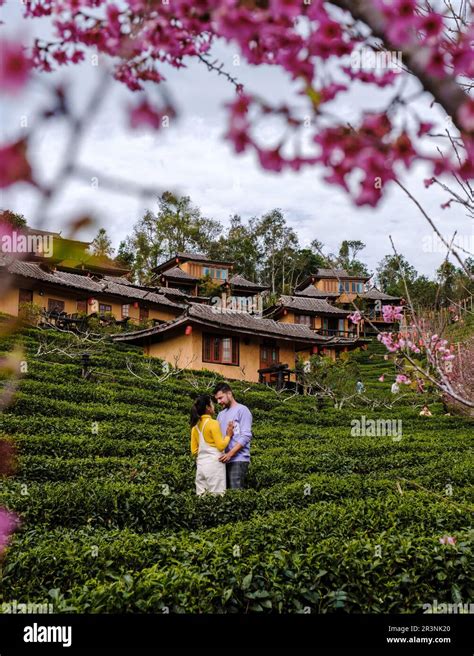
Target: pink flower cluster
[441, 348]
[356, 317]
[14, 165]
[401, 379]
[448, 539]
[140, 36]
[15, 66]
[8, 523]
[392, 313]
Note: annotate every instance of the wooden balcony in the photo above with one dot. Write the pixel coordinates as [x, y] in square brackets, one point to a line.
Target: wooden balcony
[333, 332]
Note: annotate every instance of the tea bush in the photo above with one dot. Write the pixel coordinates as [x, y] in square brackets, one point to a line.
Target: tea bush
[104, 487]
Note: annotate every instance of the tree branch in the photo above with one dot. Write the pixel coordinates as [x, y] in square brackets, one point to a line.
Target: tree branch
[446, 91]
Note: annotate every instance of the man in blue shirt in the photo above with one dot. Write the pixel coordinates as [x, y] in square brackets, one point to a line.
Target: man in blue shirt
[237, 453]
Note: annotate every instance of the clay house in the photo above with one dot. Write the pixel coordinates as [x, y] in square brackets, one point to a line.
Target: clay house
[371, 304]
[237, 345]
[185, 271]
[350, 292]
[323, 318]
[56, 291]
[339, 284]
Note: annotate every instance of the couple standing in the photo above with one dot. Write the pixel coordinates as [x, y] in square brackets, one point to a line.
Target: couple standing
[221, 446]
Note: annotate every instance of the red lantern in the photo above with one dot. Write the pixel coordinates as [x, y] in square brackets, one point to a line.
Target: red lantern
[314, 350]
[189, 330]
[285, 312]
[135, 305]
[91, 301]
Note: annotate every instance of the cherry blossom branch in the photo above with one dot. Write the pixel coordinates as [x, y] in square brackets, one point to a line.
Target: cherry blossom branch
[433, 225]
[446, 90]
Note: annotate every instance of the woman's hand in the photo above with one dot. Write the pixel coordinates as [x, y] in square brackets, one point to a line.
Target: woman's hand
[230, 429]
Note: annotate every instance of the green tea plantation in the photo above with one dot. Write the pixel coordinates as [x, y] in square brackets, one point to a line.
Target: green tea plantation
[104, 488]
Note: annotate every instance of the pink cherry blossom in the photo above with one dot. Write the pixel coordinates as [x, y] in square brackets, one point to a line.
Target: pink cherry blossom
[15, 66]
[8, 523]
[382, 378]
[392, 313]
[14, 165]
[448, 539]
[145, 115]
[356, 317]
[401, 379]
[430, 24]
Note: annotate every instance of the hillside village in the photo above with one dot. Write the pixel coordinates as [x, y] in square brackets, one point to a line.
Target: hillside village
[239, 331]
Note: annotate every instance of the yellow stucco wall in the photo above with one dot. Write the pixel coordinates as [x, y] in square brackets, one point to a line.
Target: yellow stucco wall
[9, 302]
[186, 351]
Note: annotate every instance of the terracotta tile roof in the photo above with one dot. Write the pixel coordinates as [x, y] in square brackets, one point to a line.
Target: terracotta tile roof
[185, 257]
[311, 290]
[176, 272]
[336, 273]
[375, 294]
[233, 321]
[311, 305]
[239, 281]
[200, 257]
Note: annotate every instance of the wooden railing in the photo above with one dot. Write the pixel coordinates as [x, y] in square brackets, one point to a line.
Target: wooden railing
[333, 332]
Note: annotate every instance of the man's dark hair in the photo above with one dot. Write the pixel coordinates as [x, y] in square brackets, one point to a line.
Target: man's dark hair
[222, 387]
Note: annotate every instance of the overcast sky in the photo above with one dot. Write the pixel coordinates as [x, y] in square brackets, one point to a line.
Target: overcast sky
[192, 157]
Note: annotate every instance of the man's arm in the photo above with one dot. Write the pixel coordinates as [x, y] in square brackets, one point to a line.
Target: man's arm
[225, 457]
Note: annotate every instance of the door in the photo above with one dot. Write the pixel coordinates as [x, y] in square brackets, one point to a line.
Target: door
[269, 357]
[25, 296]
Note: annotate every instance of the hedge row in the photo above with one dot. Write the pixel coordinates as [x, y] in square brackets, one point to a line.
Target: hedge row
[61, 558]
[152, 506]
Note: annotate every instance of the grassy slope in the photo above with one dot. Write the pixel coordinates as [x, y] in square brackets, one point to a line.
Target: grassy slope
[111, 522]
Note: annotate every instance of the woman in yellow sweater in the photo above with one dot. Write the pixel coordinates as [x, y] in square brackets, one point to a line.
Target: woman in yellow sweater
[207, 445]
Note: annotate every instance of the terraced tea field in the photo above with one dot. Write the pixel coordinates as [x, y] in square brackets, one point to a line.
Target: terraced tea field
[104, 486]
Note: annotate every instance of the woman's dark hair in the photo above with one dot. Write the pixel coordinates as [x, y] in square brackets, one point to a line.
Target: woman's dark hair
[199, 407]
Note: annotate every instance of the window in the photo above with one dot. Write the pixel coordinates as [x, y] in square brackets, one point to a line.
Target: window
[81, 306]
[304, 319]
[125, 311]
[224, 350]
[55, 305]
[104, 307]
[341, 286]
[360, 287]
[341, 325]
[218, 274]
[354, 286]
[144, 313]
